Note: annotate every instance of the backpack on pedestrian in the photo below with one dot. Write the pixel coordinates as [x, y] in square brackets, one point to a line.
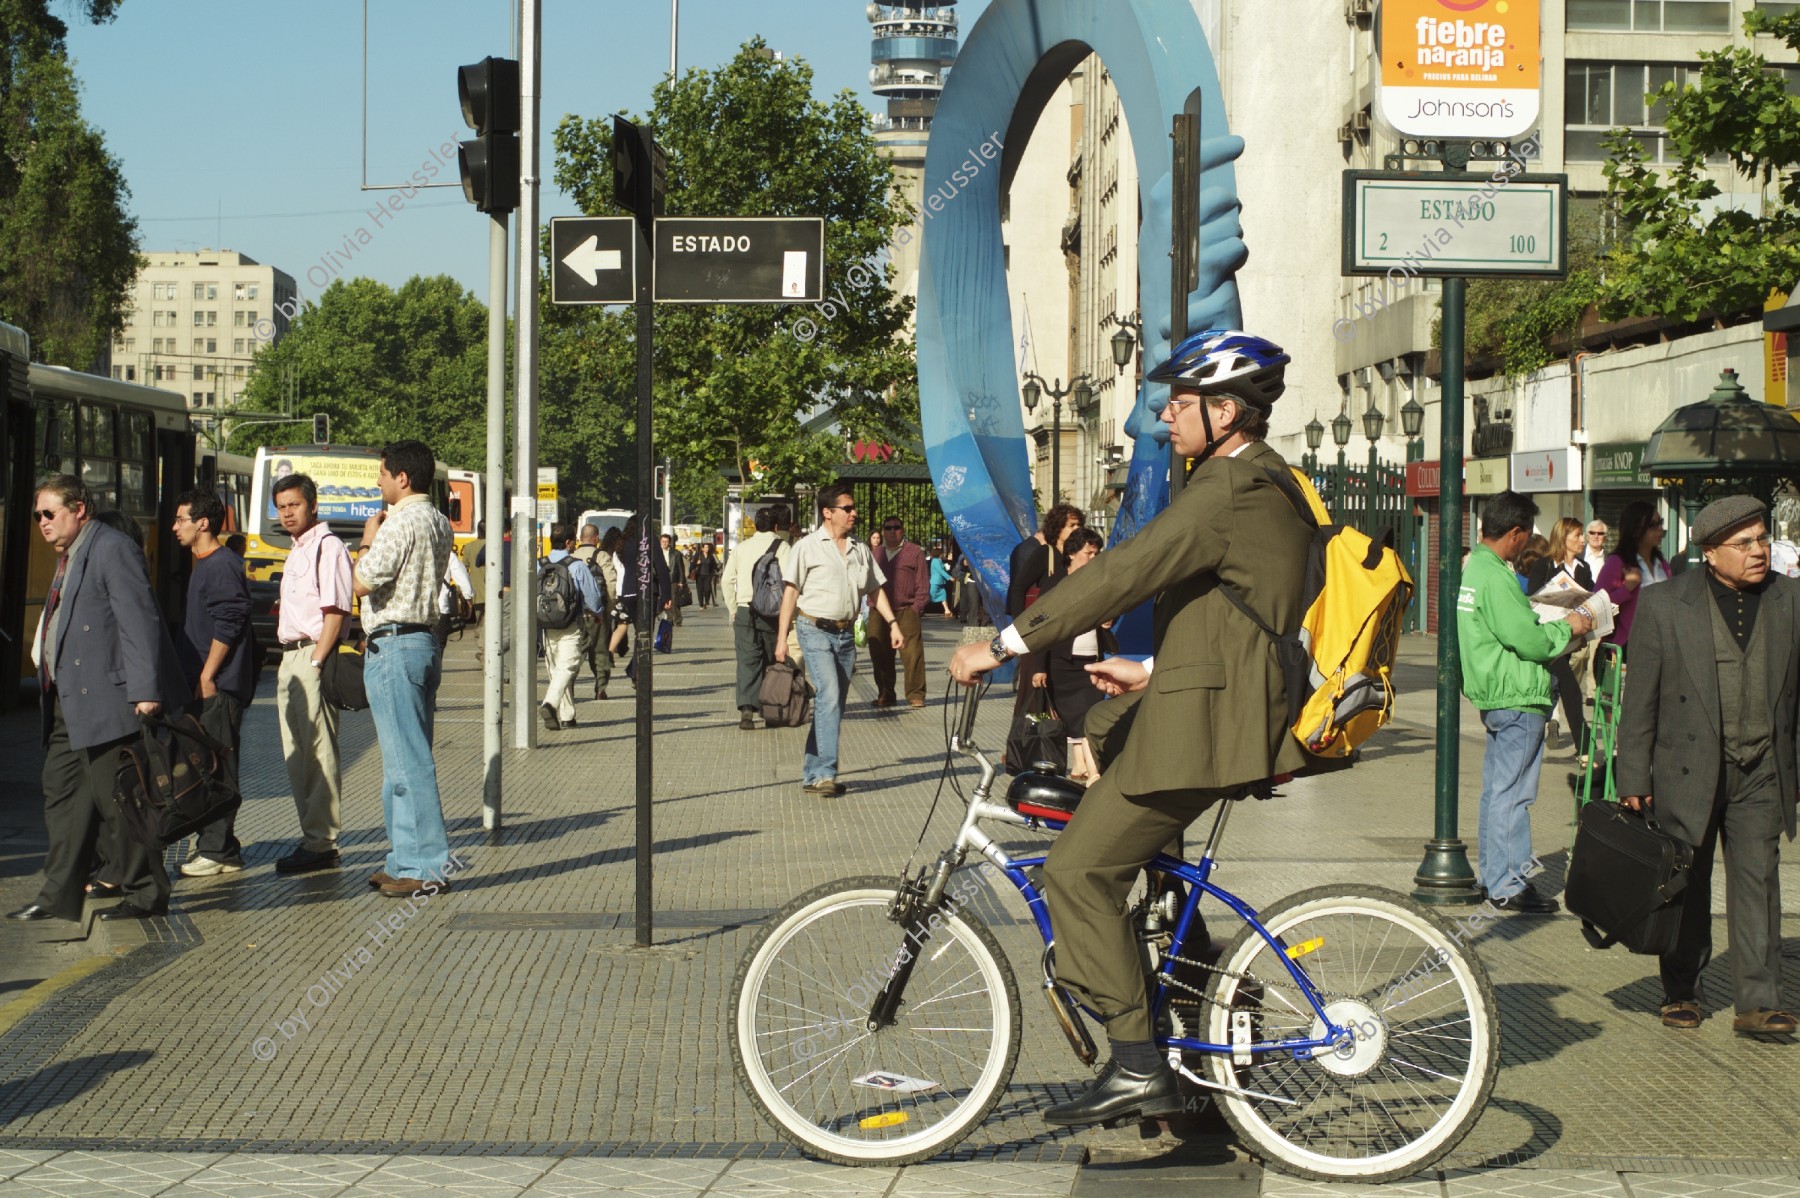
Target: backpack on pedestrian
[597, 568]
[786, 696]
[766, 584]
[1339, 666]
[558, 602]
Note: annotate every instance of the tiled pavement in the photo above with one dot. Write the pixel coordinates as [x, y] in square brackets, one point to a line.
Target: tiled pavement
[511, 1039]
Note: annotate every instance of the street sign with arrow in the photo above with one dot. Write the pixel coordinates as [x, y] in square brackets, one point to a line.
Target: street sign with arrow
[596, 260]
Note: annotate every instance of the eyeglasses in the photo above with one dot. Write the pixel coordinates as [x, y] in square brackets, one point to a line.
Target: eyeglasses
[49, 513]
[1746, 544]
[1174, 406]
[893, 528]
[184, 520]
[1596, 532]
[848, 507]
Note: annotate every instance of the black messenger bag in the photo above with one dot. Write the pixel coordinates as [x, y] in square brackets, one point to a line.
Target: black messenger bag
[1626, 878]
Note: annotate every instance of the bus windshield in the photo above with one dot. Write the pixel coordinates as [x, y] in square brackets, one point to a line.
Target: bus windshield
[347, 482]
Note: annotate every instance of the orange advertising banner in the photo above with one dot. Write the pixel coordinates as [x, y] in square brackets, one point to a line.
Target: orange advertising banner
[1460, 68]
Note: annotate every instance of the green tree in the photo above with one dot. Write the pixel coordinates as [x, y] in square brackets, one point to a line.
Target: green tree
[384, 364]
[1676, 258]
[737, 383]
[1516, 320]
[68, 249]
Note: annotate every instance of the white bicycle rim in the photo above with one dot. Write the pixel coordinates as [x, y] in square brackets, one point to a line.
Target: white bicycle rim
[1417, 1015]
[776, 1066]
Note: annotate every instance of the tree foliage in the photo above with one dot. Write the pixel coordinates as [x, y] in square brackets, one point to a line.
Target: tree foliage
[384, 364]
[736, 384]
[68, 249]
[1677, 257]
[1516, 320]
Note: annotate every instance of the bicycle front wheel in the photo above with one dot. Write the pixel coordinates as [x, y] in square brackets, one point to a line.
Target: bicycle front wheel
[1426, 1040]
[904, 1093]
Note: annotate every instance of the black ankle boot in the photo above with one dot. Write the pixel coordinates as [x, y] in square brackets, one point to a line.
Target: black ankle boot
[1118, 1095]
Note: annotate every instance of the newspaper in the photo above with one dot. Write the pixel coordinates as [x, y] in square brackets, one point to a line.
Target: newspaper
[1562, 594]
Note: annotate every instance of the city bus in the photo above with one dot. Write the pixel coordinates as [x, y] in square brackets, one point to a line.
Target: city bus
[349, 494]
[133, 447]
[467, 490]
[228, 474]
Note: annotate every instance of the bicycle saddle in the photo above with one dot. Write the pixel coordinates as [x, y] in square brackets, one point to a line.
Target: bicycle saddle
[1044, 796]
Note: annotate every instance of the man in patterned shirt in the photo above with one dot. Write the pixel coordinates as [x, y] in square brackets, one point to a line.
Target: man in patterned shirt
[405, 549]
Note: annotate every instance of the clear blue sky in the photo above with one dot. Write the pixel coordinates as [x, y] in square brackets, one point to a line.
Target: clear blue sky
[239, 124]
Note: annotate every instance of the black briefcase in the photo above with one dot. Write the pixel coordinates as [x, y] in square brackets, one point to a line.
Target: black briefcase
[1626, 878]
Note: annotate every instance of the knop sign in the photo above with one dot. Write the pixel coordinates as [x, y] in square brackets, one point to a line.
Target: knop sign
[1459, 68]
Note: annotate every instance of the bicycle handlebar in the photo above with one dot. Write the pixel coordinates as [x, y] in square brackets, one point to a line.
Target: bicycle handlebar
[965, 718]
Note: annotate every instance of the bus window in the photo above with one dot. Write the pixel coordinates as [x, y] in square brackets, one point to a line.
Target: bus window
[97, 437]
[134, 490]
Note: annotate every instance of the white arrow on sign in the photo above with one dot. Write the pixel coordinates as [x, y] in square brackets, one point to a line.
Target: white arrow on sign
[588, 260]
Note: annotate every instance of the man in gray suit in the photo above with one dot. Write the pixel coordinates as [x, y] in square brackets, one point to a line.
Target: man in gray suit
[104, 661]
[1710, 688]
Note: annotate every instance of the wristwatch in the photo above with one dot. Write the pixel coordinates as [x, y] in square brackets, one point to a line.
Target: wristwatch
[998, 648]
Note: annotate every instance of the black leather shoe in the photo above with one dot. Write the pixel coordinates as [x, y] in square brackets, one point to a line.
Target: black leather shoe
[34, 911]
[1120, 1096]
[1529, 902]
[131, 911]
[304, 860]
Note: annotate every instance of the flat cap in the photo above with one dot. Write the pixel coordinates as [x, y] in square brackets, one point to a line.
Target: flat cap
[1722, 515]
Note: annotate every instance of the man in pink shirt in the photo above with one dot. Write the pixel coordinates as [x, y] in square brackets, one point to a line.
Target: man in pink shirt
[908, 588]
[315, 600]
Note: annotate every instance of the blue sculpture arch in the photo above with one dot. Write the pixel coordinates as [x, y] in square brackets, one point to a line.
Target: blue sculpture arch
[1011, 64]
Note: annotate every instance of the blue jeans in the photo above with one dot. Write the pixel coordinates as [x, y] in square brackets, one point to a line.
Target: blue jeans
[401, 674]
[830, 660]
[1509, 783]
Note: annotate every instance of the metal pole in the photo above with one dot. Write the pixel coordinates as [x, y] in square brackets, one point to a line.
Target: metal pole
[674, 33]
[493, 695]
[647, 534]
[668, 501]
[525, 324]
[1444, 875]
[1055, 450]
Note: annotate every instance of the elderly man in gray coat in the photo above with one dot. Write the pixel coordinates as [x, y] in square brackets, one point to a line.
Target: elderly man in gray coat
[1710, 691]
[104, 661]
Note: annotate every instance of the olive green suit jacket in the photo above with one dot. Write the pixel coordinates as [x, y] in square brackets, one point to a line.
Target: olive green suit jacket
[1215, 712]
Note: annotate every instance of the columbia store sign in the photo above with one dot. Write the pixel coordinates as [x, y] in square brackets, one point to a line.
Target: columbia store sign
[1459, 68]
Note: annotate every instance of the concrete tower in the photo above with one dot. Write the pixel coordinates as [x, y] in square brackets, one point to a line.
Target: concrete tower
[914, 44]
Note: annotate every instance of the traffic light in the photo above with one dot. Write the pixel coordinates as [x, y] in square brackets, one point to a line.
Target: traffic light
[321, 428]
[489, 91]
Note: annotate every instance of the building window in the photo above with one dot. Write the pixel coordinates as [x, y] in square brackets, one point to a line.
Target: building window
[206, 291]
[212, 345]
[131, 345]
[237, 345]
[194, 399]
[1777, 8]
[1651, 16]
[237, 372]
[162, 291]
[199, 345]
[1602, 96]
[162, 319]
[244, 291]
[199, 372]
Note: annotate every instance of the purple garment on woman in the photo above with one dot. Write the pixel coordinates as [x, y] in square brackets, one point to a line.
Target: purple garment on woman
[1612, 581]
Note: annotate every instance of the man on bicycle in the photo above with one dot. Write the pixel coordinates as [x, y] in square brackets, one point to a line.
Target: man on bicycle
[1209, 711]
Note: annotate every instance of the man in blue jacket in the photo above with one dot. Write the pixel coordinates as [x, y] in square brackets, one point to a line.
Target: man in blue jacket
[217, 658]
[1503, 648]
[104, 662]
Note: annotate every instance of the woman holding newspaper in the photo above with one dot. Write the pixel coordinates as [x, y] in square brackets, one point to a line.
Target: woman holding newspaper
[1565, 575]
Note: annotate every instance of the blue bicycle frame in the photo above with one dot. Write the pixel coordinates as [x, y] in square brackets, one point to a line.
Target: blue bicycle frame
[1198, 878]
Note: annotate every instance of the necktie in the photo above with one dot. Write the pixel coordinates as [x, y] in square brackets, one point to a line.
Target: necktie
[45, 682]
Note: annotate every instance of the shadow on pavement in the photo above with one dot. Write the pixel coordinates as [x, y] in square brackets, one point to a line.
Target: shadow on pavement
[54, 1085]
[610, 856]
[1531, 1028]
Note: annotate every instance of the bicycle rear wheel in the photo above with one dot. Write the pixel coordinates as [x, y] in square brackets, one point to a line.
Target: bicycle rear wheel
[803, 1050]
[1426, 1046]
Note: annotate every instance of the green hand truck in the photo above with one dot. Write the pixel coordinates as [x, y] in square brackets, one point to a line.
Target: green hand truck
[1603, 729]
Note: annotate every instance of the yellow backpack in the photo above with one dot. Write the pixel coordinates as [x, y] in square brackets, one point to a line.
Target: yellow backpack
[1339, 666]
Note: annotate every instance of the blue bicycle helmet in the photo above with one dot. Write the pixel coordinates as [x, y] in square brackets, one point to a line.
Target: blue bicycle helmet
[1227, 361]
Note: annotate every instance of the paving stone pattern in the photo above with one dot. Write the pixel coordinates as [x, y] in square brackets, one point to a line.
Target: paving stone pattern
[514, 1016]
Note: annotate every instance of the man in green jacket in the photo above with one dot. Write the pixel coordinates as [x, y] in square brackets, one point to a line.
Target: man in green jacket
[1503, 650]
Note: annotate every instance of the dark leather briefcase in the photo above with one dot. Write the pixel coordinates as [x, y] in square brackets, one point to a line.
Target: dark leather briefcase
[1626, 877]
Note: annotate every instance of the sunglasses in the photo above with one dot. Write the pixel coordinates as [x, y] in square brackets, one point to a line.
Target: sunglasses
[848, 507]
[49, 513]
[893, 528]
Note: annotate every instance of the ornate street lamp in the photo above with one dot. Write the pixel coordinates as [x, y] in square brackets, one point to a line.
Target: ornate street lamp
[1412, 418]
[1033, 389]
[1315, 437]
[1125, 340]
